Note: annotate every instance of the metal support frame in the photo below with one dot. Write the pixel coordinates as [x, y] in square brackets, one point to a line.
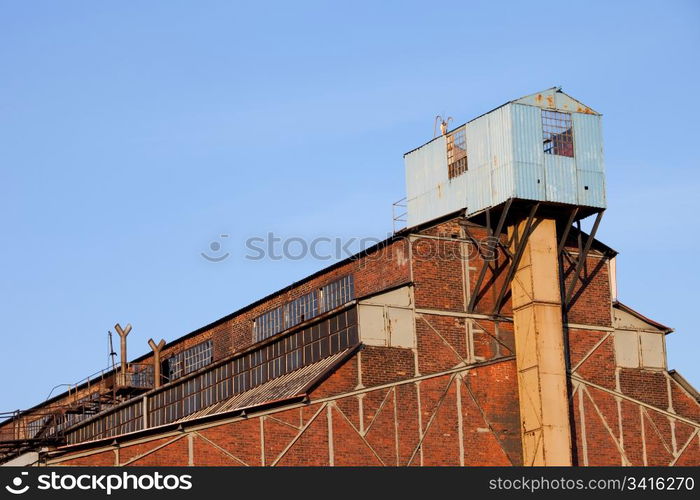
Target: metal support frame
[582, 256]
[491, 245]
[521, 243]
[567, 229]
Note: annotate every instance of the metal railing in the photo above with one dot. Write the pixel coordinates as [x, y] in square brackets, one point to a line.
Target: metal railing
[92, 395]
[136, 376]
[399, 214]
[234, 376]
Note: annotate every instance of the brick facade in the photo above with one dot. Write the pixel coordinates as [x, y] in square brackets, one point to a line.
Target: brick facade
[450, 400]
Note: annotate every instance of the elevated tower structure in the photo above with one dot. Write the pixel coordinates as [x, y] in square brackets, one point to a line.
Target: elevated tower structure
[526, 170]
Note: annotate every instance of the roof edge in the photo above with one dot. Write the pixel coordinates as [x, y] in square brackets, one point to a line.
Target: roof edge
[681, 380]
[665, 329]
[242, 411]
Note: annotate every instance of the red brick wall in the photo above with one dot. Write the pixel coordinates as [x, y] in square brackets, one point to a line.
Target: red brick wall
[470, 418]
[591, 303]
[647, 386]
[105, 458]
[614, 430]
[395, 406]
[437, 274]
[612, 425]
[382, 365]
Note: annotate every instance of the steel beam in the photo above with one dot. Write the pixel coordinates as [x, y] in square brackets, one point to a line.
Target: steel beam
[494, 236]
[582, 256]
[567, 228]
[529, 226]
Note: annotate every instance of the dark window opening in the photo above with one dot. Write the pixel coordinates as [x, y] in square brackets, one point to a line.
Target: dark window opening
[558, 133]
[457, 152]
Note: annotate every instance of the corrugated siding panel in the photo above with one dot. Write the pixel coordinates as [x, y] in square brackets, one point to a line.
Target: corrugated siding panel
[588, 142]
[479, 173]
[506, 160]
[478, 147]
[478, 190]
[528, 157]
[560, 179]
[456, 191]
[591, 188]
[501, 148]
[426, 177]
[590, 162]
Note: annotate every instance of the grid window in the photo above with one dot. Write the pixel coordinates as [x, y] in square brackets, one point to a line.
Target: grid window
[557, 133]
[280, 357]
[338, 293]
[269, 324]
[301, 309]
[457, 152]
[304, 308]
[190, 360]
[198, 356]
[175, 370]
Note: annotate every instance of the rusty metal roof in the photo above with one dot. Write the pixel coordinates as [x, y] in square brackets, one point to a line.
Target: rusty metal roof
[290, 386]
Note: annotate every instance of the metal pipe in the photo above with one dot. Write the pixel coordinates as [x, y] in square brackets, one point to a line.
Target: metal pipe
[156, 360]
[122, 336]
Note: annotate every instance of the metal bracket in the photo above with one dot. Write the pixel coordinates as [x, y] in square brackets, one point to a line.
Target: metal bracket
[582, 256]
[494, 236]
[521, 243]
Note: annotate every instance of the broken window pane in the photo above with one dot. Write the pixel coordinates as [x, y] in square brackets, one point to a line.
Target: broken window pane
[457, 152]
[557, 133]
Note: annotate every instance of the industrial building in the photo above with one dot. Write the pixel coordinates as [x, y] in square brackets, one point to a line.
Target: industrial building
[486, 331]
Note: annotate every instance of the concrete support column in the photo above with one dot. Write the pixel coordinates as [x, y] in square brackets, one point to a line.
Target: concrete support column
[539, 344]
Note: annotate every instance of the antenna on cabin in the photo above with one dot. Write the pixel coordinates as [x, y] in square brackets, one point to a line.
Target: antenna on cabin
[444, 125]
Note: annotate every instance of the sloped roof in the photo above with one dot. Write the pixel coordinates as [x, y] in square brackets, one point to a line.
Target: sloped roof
[551, 98]
[654, 324]
[294, 385]
[685, 384]
[555, 98]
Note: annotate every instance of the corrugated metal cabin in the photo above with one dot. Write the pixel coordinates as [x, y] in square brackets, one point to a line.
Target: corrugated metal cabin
[544, 147]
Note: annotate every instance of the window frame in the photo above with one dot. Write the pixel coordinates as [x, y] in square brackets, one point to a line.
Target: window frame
[457, 152]
[557, 138]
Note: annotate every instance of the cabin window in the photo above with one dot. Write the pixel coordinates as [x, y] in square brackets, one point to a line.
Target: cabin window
[558, 133]
[457, 152]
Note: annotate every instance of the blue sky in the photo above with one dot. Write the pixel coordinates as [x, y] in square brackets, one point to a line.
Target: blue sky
[133, 134]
